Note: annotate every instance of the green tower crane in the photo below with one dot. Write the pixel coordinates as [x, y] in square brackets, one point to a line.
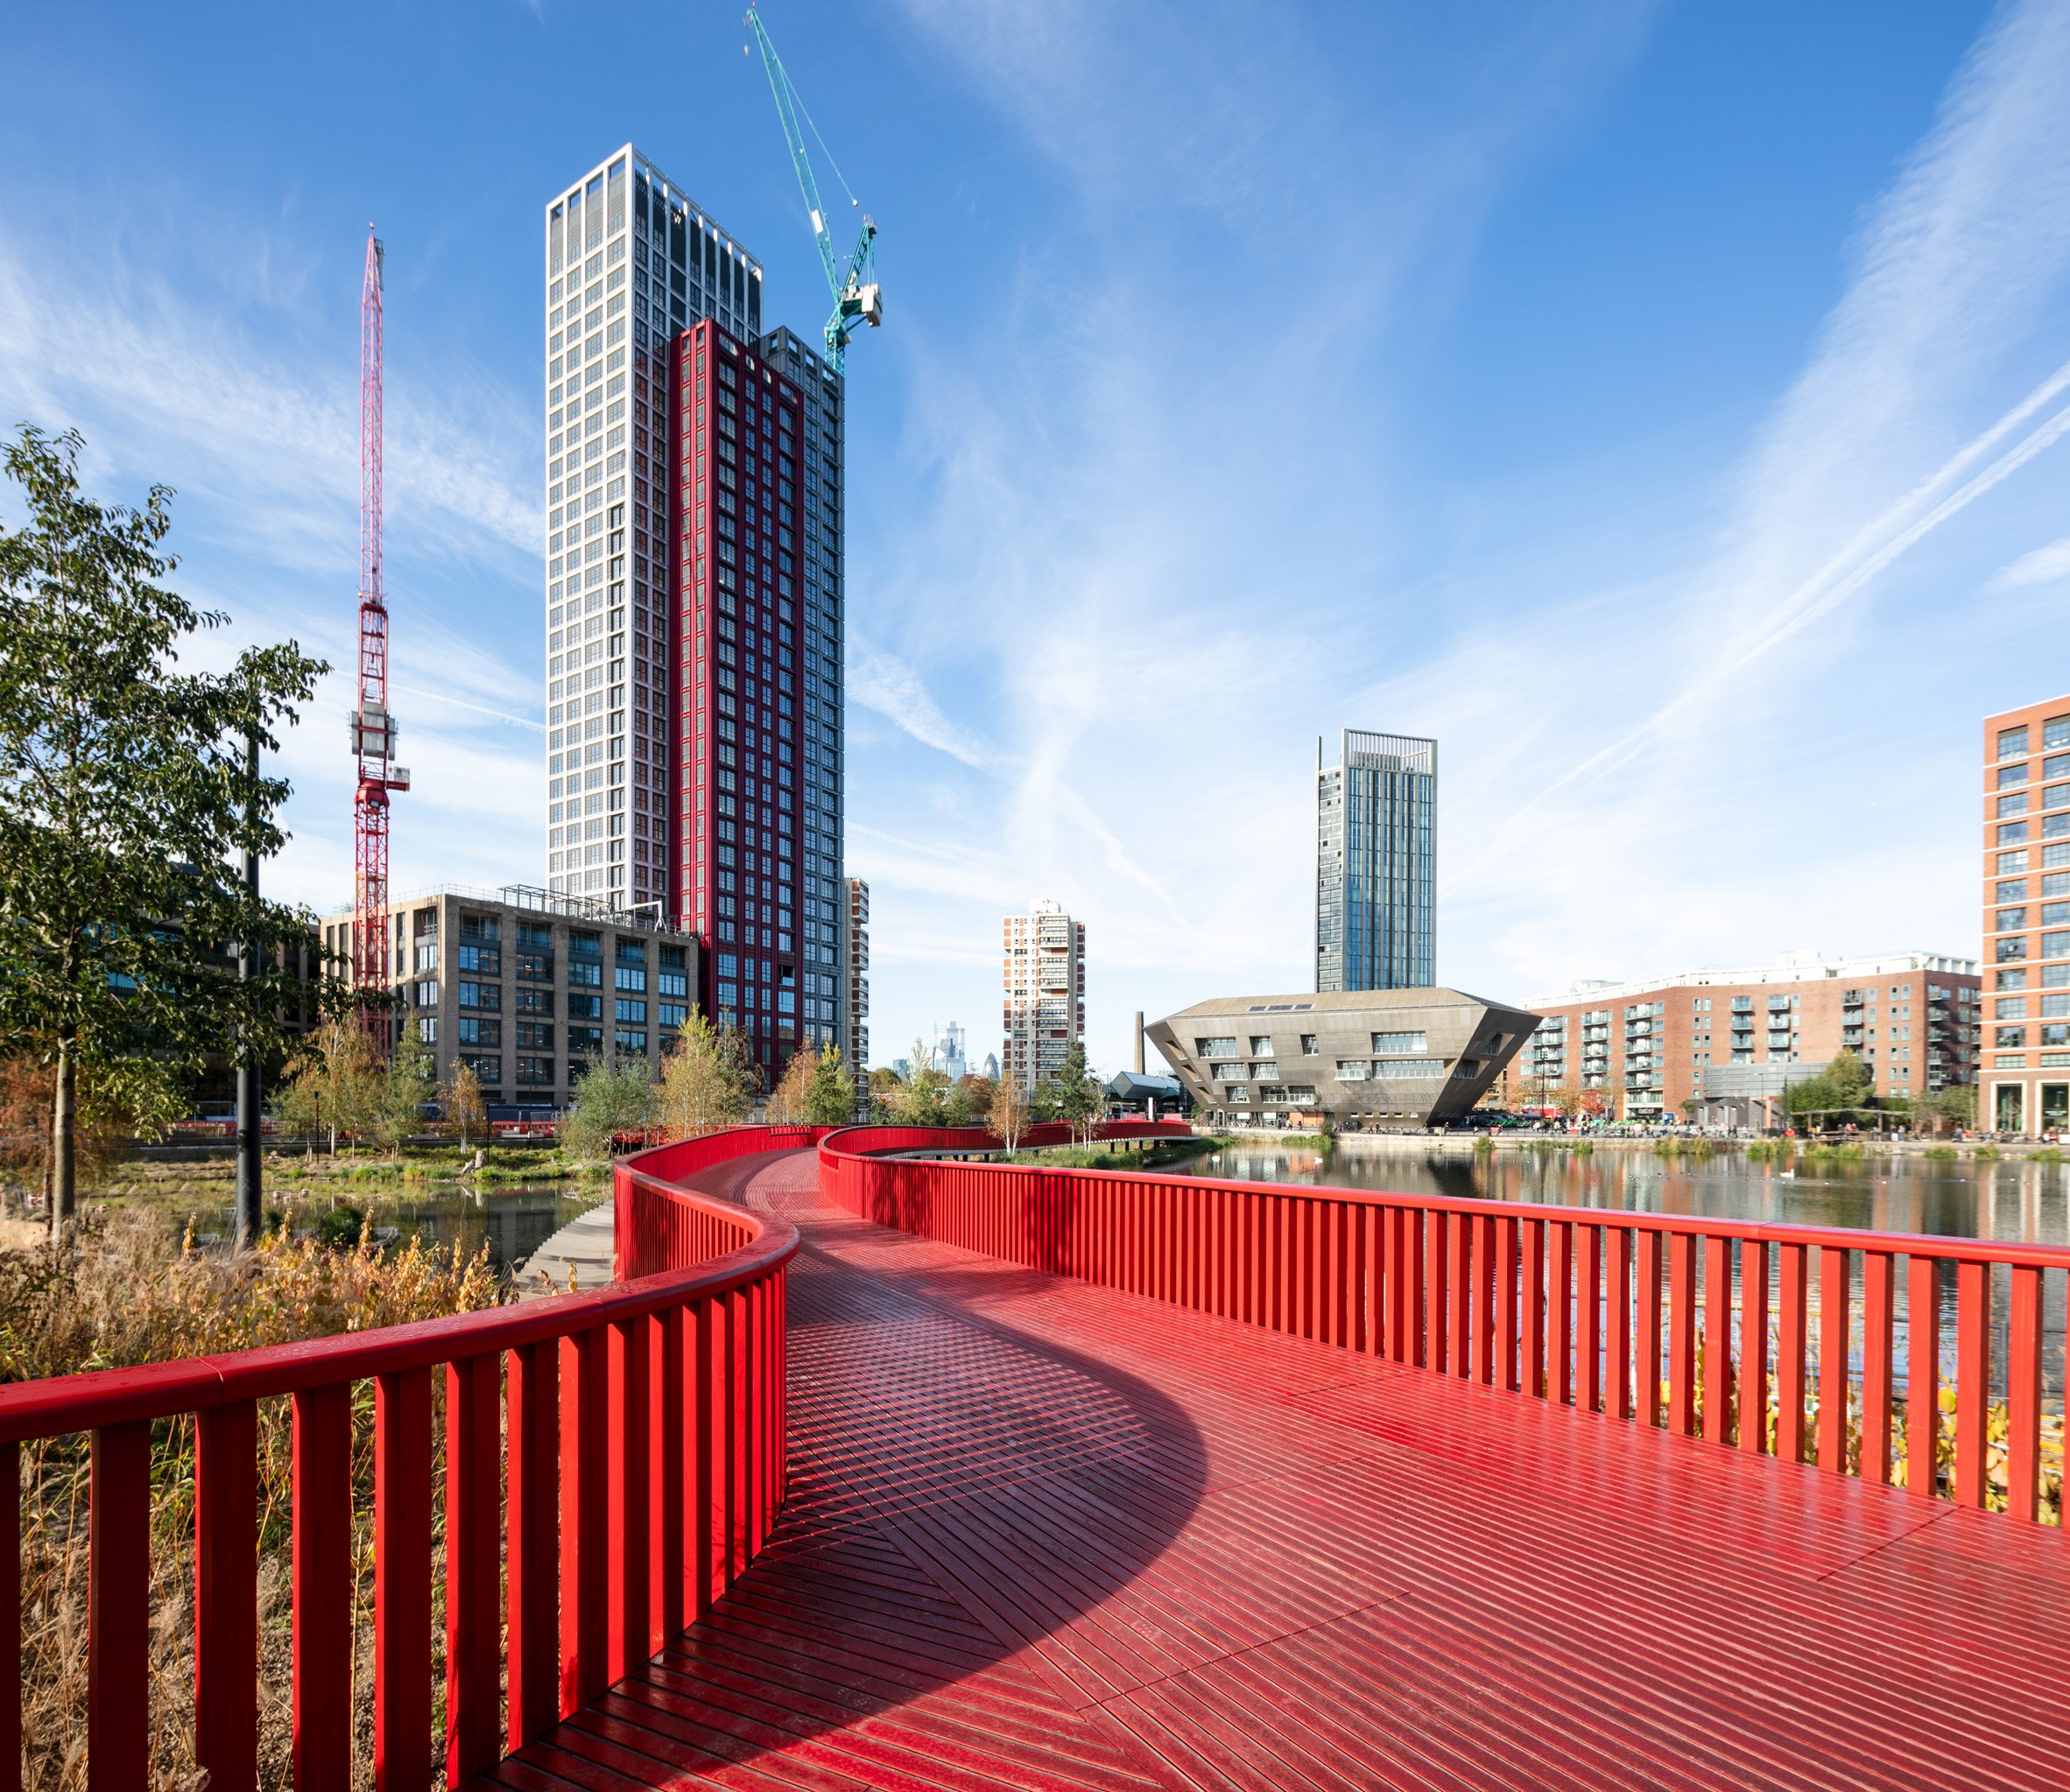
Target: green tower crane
[857, 299]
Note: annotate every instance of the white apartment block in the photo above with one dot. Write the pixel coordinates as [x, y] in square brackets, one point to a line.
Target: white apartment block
[1044, 978]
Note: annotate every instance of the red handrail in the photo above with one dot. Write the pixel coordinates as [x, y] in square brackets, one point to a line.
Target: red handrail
[1562, 1304]
[631, 1472]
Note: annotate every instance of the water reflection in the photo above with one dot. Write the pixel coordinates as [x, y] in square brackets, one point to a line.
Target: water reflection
[513, 1223]
[2011, 1200]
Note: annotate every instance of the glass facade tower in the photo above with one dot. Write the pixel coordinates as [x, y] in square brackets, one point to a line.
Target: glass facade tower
[1375, 857]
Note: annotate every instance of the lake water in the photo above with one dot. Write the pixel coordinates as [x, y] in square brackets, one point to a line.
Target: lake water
[2008, 1200]
[512, 1222]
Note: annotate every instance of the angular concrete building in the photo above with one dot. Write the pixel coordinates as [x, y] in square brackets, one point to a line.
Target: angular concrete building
[1370, 1059]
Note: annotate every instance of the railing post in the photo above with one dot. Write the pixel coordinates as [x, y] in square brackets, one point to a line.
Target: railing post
[2023, 1389]
[533, 1518]
[1559, 1310]
[118, 1611]
[1753, 1345]
[10, 1618]
[1973, 1344]
[402, 1581]
[472, 1484]
[226, 1596]
[1617, 1305]
[1877, 1269]
[1648, 1368]
[1588, 1320]
[668, 1386]
[1717, 1338]
[1682, 1333]
[1792, 1345]
[323, 1589]
[628, 1565]
[1922, 1376]
[585, 1518]
[1834, 1283]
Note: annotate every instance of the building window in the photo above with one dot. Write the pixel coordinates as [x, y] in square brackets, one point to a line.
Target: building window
[584, 1041]
[1308, 1046]
[632, 1045]
[537, 966]
[489, 1071]
[2012, 742]
[2011, 920]
[671, 1014]
[484, 958]
[473, 1030]
[634, 1012]
[630, 977]
[535, 1036]
[484, 995]
[535, 1073]
[528, 1000]
[584, 975]
[2012, 949]
[671, 983]
[1400, 1042]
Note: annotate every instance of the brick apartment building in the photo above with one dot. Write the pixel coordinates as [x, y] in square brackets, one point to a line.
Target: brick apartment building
[1726, 1036]
[529, 987]
[1044, 973]
[2025, 1083]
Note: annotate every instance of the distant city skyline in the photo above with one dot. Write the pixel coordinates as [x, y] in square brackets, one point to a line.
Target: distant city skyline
[1653, 378]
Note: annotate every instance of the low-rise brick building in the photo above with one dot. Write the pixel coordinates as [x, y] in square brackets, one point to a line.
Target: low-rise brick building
[529, 987]
[1911, 1017]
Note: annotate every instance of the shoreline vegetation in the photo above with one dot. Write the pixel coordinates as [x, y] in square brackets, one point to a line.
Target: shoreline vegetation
[1695, 1147]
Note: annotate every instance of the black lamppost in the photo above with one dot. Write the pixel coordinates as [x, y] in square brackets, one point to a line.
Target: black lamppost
[250, 1198]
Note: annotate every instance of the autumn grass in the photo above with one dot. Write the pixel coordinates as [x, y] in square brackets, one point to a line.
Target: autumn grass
[127, 1295]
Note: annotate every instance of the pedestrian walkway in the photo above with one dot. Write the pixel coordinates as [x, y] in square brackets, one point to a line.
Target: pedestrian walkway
[582, 1248]
[1041, 1534]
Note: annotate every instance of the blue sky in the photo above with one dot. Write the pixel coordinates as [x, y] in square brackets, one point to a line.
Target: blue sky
[1658, 404]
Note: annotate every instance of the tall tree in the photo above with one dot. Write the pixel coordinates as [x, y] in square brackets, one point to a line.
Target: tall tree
[333, 1084]
[460, 1097]
[787, 1100]
[1007, 1117]
[606, 1102]
[918, 1100]
[124, 797]
[1078, 1095]
[709, 1081]
[831, 1100]
[408, 1086]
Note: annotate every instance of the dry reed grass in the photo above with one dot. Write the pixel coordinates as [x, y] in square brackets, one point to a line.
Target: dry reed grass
[127, 1295]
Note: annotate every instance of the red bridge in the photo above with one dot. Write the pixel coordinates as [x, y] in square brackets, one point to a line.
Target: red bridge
[881, 1472]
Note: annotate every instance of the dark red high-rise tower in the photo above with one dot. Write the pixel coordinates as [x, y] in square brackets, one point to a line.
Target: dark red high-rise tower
[738, 837]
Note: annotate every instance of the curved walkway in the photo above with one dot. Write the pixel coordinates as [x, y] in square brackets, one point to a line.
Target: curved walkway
[1044, 1535]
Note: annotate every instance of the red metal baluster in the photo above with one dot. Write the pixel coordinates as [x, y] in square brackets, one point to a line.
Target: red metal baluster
[1507, 1271]
[585, 1518]
[1973, 1343]
[668, 1386]
[1559, 1311]
[533, 1543]
[402, 1581]
[1717, 1338]
[1436, 1283]
[1834, 1283]
[2023, 1388]
[1588, 1318]
[1753, 1345]
[1617, 1300]
[323, 1589]
[707, 1471]
[737, 1422]
[1791, 1351]
[10, 1618]
[1682, 1333]
[118, 1611]
[473, 1446]
[1876, 1272]
[226, 1596]
[1649, 1326]
[1459, 1303]
[625, 1575]
[1530, 1371]
[1484, 1224]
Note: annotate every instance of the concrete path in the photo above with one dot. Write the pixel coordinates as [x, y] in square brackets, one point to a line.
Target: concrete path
[583, 1246]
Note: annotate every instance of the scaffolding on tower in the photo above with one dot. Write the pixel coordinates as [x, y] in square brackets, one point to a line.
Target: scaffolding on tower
[372, 723]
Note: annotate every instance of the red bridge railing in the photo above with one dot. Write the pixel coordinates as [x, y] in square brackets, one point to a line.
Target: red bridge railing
[1919, 1360]
[612, 1461]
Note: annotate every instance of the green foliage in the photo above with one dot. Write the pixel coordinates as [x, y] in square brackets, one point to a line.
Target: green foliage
[608, 1100]
[708, 1080]
[1077, 1094]
[830, 1096]
[922, 1098]
[460, 1099]
[125, 796]
[407, 1087]
[1837, 1091]
[341, 1228]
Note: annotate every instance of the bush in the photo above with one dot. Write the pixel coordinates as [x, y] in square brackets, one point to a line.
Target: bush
[341, 1228]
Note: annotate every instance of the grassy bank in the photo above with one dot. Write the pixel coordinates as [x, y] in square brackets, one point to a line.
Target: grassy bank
[1106, 1157]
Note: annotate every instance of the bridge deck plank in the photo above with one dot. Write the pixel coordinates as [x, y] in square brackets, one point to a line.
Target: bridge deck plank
[1045, 1535]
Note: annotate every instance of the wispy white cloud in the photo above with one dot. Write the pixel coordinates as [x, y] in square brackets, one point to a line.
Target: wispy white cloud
[2041, 565]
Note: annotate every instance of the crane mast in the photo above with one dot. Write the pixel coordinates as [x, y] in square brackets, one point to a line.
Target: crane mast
[857, 299]
[373, 726]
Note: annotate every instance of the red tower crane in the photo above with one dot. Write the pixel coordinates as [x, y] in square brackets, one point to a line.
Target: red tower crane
[373, 726]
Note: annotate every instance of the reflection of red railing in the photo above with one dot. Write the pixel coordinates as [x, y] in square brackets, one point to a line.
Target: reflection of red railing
[1644, 1316]
[638, 1431]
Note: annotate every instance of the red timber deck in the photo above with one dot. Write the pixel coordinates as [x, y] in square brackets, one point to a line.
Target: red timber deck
[1044, 1534]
